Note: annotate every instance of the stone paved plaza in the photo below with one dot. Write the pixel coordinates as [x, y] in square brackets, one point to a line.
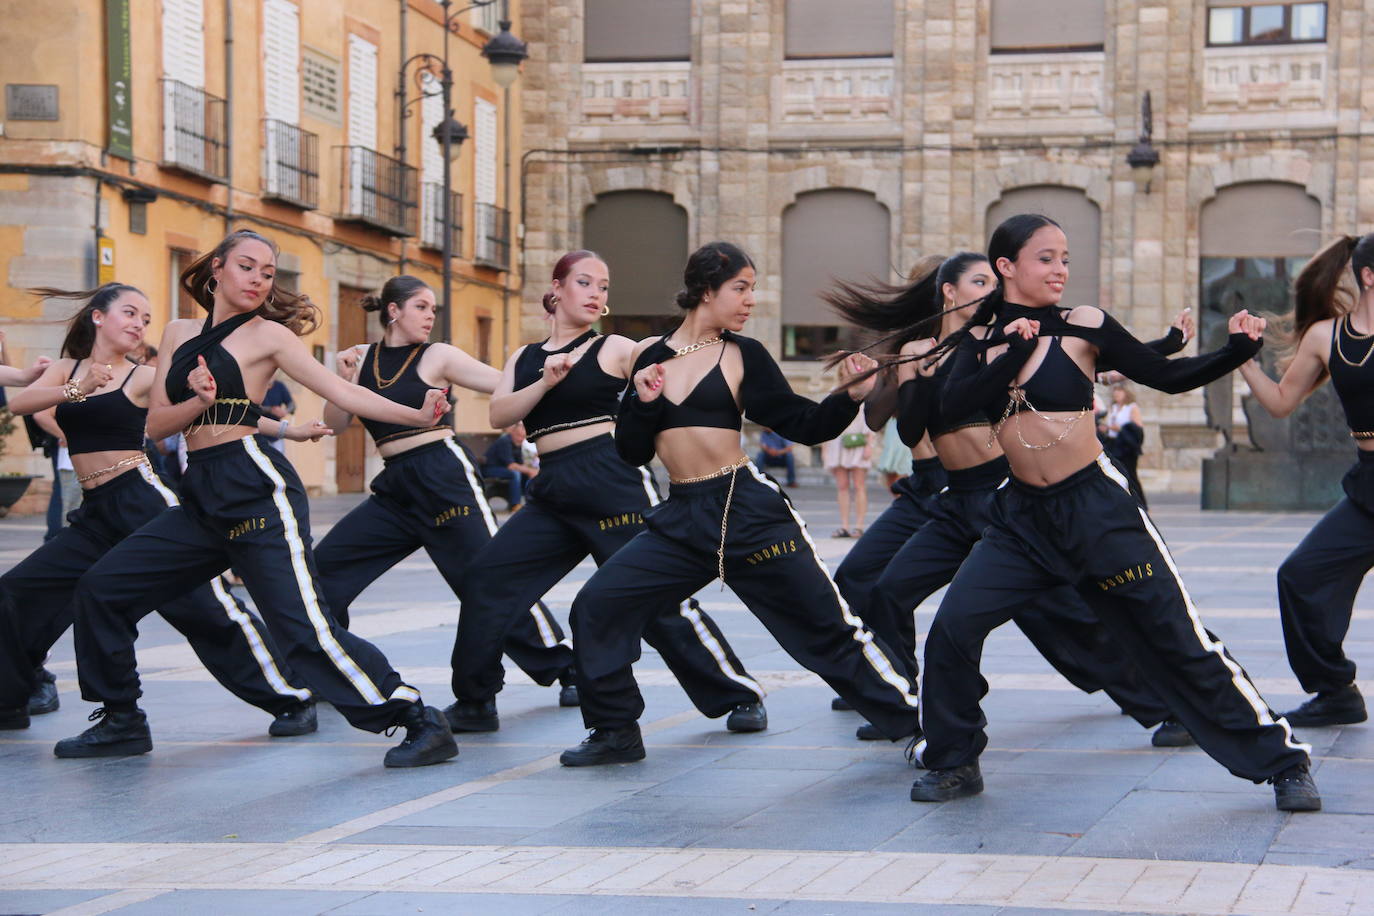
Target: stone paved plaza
[1080, 815]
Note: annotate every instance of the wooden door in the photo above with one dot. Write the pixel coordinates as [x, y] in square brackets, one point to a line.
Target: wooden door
[350, 445]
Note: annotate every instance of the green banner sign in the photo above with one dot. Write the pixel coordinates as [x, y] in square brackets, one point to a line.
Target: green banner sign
[119, 79]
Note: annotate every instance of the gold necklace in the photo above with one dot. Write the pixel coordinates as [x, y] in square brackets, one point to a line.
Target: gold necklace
[1348, 328]
[377, 366]
[699, 345]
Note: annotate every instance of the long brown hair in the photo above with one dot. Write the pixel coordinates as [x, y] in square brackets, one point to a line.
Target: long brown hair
[294, 310]
[81, 328]
[1319, 293]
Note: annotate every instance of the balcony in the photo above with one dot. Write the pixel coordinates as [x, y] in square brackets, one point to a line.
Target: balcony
[656, 92]
[193, 131]
[835, 91]
[493, 236]
[290, 164]
[1060, 85]
[432, 218]
[377, 191]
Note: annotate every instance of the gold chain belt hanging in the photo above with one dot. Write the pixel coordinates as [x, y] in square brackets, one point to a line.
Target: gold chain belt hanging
[733, 471]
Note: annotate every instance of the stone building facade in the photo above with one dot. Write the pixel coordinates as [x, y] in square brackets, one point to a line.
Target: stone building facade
[849, 139]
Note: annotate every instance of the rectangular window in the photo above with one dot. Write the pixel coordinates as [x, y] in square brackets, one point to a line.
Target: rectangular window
[1048, 26]
[484, 339]
[826, 29]
[1232, 23]
[628, 30]
[186, 306]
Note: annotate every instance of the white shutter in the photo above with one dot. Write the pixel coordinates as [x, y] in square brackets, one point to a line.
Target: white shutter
[281, 74]
[183, 41]
[484, 117]
[362, 92]
[431, 160]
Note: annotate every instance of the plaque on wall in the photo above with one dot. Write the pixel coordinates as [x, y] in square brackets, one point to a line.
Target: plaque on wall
[30, 102]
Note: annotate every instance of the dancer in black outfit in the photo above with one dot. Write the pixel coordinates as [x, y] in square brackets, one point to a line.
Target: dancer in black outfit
[723, 517]
[1061, 627]
[429, 494]
[586, 500]
[1067, 517]
[244, 506]
[101, 398]
[1319, 579]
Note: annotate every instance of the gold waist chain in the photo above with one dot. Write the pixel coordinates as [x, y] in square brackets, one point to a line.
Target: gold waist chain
[733, 471]
[219, 429]
[572, 424]
[129, 462]
[1017, 400]
[1362, 434]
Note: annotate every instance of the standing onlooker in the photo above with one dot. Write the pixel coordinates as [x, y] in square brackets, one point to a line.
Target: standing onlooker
[278, 403]
[776, 452]
[848, 458]
[894, 461]
[1125, 431]
[504, 460]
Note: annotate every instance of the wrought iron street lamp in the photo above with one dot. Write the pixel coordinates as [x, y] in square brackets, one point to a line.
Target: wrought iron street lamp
[1143, 157]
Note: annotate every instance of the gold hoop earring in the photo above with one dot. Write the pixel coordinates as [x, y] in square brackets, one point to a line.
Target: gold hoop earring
[211, 290]
[605, 310]
[271, 300]
[554, 300]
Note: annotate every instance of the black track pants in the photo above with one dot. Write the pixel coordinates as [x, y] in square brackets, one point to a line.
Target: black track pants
[771, 564]
[431, 497]
[869, 556]
[585, 501]
[36, 595]
[1318, 582]
[1088, 532]
[1060, 626]
[243, 506]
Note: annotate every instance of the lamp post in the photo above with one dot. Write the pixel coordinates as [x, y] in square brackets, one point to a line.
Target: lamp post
[504, 52]
[1143, 157]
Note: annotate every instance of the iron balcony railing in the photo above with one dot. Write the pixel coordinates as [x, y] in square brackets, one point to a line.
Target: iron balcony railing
[193, 130]
[290, 164]
[492, 226]
[377, 190]
[432, 218]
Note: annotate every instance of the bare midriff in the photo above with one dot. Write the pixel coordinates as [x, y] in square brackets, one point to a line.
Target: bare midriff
[697, 451]
[967, 448]
[552, 442]
[91, 462]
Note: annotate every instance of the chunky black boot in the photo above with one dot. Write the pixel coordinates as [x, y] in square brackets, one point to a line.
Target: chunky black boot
[44, 698]
[1294, 789]
[1171, 733]
[13, 718]
[747, 717]
[606, 745]
[472, 717]
[840, 704]
[948, 784]
[869, 732]
[299, 719]
[428, 739]
[567, 694]
[116, 733]
[1344, 706]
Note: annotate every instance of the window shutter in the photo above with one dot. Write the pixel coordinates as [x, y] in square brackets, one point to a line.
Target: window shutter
[183, 41]
[484, 117]
[362, 92]
[281, 72]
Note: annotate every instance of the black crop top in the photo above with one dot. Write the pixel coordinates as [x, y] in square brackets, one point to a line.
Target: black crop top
[232, 406]
[976, 384]
[108, 422]
[394, 373]
[709, 404]
[919, 400]
[587, 394]
[1352, 382]
[766, 397]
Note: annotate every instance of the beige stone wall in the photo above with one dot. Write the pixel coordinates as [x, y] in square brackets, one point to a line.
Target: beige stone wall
[940, 131]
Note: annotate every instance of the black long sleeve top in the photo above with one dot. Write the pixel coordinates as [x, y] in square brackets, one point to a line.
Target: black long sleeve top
[764, 395]
[975, 384]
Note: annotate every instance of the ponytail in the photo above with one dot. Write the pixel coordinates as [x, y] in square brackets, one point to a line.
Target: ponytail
[294, 310]
[80, 336]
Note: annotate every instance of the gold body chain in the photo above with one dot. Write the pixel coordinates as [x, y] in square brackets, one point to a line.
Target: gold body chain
[1362, 434]
[1018, 400]
[571, 424]
[129, 462]
[219, 429]
[733, 471]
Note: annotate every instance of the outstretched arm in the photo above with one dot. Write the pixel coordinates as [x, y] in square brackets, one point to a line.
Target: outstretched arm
[769, 400]
[972, 384]
[1303, 376]
[1138, 362]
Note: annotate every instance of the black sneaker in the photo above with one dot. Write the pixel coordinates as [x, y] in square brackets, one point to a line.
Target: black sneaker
[116, 733]
[606, 745]
[44, 698]
[1171, 734]
[428, 739]
[1329, 707]
[298, 720]
[13, 718]
[1294, 789]
[567, 693]
[912, 746]
[948, 784]
[869, 732]
[747, 717]
[472, 717]
[840, 704]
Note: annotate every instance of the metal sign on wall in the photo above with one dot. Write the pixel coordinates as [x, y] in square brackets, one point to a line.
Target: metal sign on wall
[29, 102]
[119, 79]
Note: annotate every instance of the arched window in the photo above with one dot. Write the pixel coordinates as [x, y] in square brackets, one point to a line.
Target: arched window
[643, 237]
[1082, 223]
[827, 235]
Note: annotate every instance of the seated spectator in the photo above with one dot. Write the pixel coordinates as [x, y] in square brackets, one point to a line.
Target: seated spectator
[776, 452]
[505, 460]
[278, 403]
